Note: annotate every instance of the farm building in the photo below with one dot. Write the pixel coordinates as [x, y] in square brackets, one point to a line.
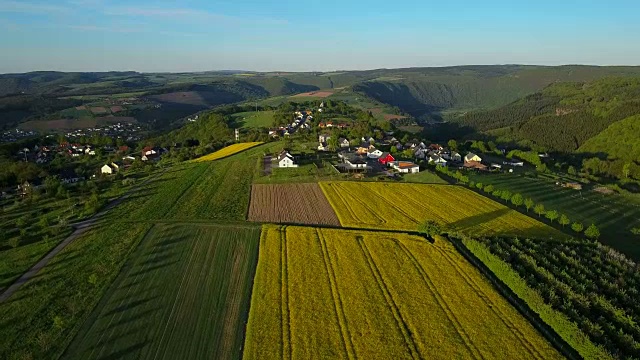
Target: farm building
[471, 157]
[285, 160]
[386, 158]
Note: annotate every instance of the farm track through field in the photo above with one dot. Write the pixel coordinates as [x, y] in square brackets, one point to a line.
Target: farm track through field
[493, 306]
[400, 322]
[466, 339]
[336, 299]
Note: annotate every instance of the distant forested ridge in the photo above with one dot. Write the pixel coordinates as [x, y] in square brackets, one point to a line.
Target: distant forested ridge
[564, 116]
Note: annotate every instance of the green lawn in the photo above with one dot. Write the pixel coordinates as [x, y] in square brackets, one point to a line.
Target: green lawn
[615, 215]
[424, 177]
[253, 119]
[183, 294]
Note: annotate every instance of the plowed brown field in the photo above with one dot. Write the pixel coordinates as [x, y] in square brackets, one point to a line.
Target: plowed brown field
[291, 203]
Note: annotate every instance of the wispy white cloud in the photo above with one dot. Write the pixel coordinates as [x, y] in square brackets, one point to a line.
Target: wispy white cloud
[31, 7]
[188, 14]
[126, 30]
[103, 29]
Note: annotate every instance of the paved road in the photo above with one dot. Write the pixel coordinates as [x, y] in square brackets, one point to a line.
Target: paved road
[81, 227]
[267, 165]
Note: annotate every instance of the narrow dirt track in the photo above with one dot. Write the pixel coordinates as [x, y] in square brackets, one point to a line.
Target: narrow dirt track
[81, 228]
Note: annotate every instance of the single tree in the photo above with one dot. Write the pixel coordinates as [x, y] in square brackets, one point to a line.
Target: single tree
[539, 209]
[14, 242]
[528, 203]
[488, 189]
[572, 170]
[592, 232]
[430, 228]
[506, 195]
[564, 220]
[517, 199]
[453, 145]
[479, 186]
[552, 215]
[577, 227]
[93, 279]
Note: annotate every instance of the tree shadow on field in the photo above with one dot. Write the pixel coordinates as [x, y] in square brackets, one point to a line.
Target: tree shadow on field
[130, 306]
[153, 268]
[125, 352]
[123, 334]
[479, 219]
[135, 317]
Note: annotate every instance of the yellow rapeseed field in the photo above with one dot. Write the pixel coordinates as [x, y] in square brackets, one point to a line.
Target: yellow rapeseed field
[227, 151]
[400, 206]
[342, 294]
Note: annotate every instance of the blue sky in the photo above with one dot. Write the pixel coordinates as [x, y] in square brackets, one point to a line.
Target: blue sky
[302, 35]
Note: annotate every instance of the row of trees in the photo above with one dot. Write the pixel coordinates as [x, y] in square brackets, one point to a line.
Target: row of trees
[518, 200]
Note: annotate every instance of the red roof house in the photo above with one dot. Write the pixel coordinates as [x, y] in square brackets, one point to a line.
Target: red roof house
[386, 158]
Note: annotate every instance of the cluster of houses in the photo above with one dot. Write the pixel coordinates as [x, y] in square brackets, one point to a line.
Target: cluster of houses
[15, 135]
[148, 154]
[44, 154]
[301, 121]
[126, 131]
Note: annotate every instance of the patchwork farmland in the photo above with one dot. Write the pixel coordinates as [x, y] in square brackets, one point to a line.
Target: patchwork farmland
[404, 206]
[329, 293]
[227, 151]
[183, 294]
[291, 203]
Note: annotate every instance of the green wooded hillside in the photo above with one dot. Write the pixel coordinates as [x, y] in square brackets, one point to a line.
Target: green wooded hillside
[563, 116]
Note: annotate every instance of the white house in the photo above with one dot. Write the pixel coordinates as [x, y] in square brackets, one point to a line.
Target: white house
[438, 160]
[106, 169]
[472, 157]
[323, 147]
[344, 143]
[285, 160]
[420, 153]
[455, 157]
[356, 163]
[324, 138]
[375, 154]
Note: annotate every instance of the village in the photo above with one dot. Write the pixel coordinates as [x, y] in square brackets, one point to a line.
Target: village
[381, 153]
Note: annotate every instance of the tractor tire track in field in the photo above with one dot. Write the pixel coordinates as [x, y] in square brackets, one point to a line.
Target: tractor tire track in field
[286, 315]
[492, 306]
[120, 305]
[337, 300]
[402, 325]
[175, 301]
[194, 180]
[466, 339]
[364, 205]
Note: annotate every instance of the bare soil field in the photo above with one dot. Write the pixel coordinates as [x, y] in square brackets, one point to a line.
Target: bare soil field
[320, 94]
[98, 110]
[291, 203]
[115, 109]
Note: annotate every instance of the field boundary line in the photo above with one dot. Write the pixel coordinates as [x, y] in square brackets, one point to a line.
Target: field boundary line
[337, 300]
[492, 305]
[475, 352]
[400, 323]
